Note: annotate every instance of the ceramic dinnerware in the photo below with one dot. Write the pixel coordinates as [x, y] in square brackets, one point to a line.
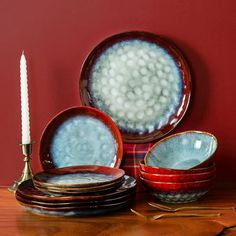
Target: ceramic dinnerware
[78, 176]
[183, 151]
[86, 204]
[80, 136]
[178, 186]
[139, 79]
[163, 171]
[76, 211]
[178, 177]
[27, 190]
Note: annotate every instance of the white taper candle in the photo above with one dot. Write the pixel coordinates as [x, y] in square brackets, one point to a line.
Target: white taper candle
[25, 121]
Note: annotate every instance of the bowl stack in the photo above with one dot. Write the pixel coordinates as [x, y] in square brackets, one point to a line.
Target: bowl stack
[77, 190]
[180, 168]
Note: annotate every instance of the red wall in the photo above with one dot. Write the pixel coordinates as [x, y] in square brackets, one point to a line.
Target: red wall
[57, 35]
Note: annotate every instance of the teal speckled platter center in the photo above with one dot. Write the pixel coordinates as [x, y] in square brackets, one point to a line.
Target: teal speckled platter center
[83, 140]
[141, 81]
[81, 136]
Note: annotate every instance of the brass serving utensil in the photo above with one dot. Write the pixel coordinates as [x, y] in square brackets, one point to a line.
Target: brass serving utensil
[170, 209]
[169, 215]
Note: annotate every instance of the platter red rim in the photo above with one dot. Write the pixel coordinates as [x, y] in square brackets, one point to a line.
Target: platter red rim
[172, 50]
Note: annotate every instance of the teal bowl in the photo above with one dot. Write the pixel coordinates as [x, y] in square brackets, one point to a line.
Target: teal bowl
[183, 151]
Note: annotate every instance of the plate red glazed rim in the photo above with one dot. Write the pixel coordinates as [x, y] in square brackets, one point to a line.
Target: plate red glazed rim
[75, 203]
[91, 207]
[46, 158]
[113, 175]
[176, 55]
[28, 190]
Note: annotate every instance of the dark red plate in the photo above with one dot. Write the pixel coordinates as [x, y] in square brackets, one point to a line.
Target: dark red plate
[27, 190]
[80, 136]
[76, 177]
[76, 211]
[75, 203]
[78, 190]
[141, 81]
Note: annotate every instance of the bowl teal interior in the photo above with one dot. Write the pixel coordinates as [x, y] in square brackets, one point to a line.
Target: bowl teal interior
[182, 151]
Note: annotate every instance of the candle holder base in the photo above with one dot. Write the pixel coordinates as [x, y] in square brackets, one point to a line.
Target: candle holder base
[27, 171]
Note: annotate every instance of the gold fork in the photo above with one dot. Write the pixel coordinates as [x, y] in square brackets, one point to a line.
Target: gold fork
[169, 215]
[169, 209]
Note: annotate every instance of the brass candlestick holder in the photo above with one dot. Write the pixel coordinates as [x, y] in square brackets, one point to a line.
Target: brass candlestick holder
[27, 172]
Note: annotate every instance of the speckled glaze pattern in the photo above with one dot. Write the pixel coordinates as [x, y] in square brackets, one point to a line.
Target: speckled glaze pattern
[172, 197]
[141, 81]
[82, 177]
[82, 140]
[80, 136]
[138, 84]
[182, 151]
[79, 179]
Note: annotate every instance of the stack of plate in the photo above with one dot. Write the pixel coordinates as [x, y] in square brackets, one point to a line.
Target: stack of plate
[79, 179]
[78, 190]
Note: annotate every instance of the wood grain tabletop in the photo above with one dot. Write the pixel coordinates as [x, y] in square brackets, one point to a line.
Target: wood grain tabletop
[14, 220]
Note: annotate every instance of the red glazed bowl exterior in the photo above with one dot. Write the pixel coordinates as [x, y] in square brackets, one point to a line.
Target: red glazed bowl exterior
[179, 178]
[178, 187]
[158, 170]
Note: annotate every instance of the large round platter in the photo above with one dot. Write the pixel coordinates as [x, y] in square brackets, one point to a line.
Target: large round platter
[81, 136]
[141, 81]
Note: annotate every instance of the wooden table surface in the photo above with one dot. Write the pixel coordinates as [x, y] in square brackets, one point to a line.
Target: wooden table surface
[14, 220]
